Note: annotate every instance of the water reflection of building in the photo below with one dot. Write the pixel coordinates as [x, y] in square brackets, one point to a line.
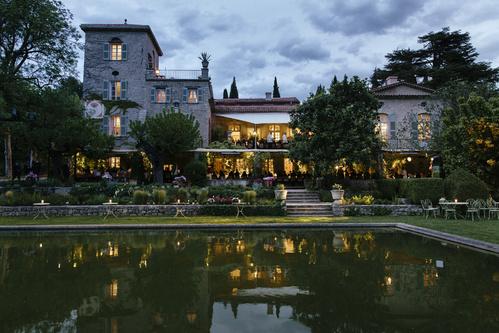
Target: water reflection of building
[182, 281]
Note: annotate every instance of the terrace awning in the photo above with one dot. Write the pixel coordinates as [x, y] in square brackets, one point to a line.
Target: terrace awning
[259, 117]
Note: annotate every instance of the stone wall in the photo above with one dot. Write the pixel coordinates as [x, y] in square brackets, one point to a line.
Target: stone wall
[396, 210]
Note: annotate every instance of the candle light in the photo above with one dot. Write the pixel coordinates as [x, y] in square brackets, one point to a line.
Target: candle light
[110, 200]
[455, 200]
[178, 201]
[43, 201]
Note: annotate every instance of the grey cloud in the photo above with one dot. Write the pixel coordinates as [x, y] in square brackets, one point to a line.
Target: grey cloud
[363, 16]
[298, 49]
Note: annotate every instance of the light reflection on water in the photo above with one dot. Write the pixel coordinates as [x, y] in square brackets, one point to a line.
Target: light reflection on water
[245, 281]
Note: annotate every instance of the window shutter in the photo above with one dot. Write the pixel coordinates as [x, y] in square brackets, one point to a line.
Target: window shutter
[105, 90]
[200, 94]
[124, 125]
[105, 51]
[168, 95]
[393, 126]
[124, 51]
[184, 95]
[124, 89]
[153, 95]
[105, 125]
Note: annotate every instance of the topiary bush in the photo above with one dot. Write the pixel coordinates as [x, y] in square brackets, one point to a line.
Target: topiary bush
[203, 196]
[462, 185]
[140, 197]
[249, 197]
[388, 188]
[159, 196]
[182, 194]
[196, 171]
[417, 189]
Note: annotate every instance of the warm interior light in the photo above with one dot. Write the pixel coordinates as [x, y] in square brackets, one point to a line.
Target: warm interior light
[409, 159]
[157, 71]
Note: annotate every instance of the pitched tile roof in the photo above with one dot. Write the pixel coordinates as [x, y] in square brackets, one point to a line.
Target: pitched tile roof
[231, 105]
[379, 91]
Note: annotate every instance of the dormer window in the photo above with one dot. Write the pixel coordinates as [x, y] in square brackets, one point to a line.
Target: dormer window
[115, 50]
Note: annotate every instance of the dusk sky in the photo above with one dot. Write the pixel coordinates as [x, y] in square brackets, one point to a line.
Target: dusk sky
[303, 43]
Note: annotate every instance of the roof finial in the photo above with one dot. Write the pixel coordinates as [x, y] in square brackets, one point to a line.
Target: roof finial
[126, 21]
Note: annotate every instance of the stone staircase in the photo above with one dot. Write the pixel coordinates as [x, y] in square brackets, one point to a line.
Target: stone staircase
[301, 202]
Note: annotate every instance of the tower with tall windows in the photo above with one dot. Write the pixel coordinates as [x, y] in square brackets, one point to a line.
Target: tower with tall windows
[122, 63]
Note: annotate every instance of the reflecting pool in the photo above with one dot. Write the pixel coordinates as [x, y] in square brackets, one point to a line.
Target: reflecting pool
[244, 281]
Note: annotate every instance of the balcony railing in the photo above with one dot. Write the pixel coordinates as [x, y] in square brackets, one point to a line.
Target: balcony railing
[406, 145]
[173, 74]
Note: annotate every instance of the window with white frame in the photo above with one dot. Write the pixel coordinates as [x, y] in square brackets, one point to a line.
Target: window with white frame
[160, 95]
[116, 49]
[116, 90]
[382, 126]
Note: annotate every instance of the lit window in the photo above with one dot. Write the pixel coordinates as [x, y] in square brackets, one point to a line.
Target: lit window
[275, 131]
[235, 132]
[382, 126]
[424, 133]
[115, 162]
[192, 97]
[116, 125]
[160, 96]
[116, 90]
[112, 289]
[116, 49]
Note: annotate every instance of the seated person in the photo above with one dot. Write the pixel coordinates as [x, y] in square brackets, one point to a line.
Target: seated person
[270, 138]
[284, 138]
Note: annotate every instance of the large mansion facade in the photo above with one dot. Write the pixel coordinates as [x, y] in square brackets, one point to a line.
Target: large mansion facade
[121, 64]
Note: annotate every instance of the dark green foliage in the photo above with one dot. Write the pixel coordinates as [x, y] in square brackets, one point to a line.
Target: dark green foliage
[275, 92]
[182, 194]
[231, 210]
[195, 171]
[230, 191]
[339, 125]
[264, 193]
[352, 211]
[202, 196]
[233, 89]
[226, 94]
[325, 196]
[381, 211]
[445, 56]
[417, 189]
[463, 185]
[164, 136]
[387, 188]
[140, 197]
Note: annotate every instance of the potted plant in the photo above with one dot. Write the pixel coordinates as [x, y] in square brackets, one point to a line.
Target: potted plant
[337, 192]
[205, 59]
[280, 192]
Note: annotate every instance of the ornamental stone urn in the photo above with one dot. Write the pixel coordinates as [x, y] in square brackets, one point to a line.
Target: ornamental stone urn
[337, 194]
[280, 193]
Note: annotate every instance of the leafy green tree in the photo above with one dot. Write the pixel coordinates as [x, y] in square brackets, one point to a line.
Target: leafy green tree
[226, 94]
[233, 89]
[275, 92]
[337, 126]
[164, 136]
[445, 56]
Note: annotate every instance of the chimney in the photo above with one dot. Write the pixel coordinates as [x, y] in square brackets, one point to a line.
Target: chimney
[391, 79]
[268, 95]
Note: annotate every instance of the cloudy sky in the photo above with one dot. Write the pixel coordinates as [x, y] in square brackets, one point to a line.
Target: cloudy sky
[303, 43]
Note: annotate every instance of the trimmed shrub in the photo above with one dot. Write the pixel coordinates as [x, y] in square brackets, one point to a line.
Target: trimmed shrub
[361, 199]
[231, 210]
[140, 197]
[9, 197]
[182, 194]
[381, 211]
[388, 188]
[417, 189]
[249, 197]
[96, 199]
[352, 211]
[265, 193]
[203, 196]
[463, 185]
[226, 191]
[159, 197]
[196, 171]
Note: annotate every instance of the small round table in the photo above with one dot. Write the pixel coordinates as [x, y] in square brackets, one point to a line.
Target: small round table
[41, 209]
[179, 210]
[240, 209]
[109, 209]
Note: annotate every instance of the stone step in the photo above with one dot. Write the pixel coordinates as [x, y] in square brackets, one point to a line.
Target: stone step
[308, 209]
[315, 214]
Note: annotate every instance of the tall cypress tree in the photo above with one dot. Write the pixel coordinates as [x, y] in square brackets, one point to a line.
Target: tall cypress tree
[233, 89]
[276, 93]
[226, 94]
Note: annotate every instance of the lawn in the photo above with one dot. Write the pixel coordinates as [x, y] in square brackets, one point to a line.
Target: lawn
[485, 230]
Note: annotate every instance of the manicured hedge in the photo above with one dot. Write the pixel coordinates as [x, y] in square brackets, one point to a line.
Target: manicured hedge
[387, 188]
[231, 210]
[417, 189]
[462, 185]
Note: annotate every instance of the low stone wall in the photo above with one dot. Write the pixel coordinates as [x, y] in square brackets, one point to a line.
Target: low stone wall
[96, 210]
[395, 210]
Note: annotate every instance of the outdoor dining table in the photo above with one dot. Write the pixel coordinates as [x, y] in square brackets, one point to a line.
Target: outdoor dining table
[109, 209]
[41, 209]
[460, 204]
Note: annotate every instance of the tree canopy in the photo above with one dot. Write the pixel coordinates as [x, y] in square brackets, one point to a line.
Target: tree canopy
[226, 94]
[444, 56]
[275, 92]
[233, 89]
[164, 136]
[336, 126]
